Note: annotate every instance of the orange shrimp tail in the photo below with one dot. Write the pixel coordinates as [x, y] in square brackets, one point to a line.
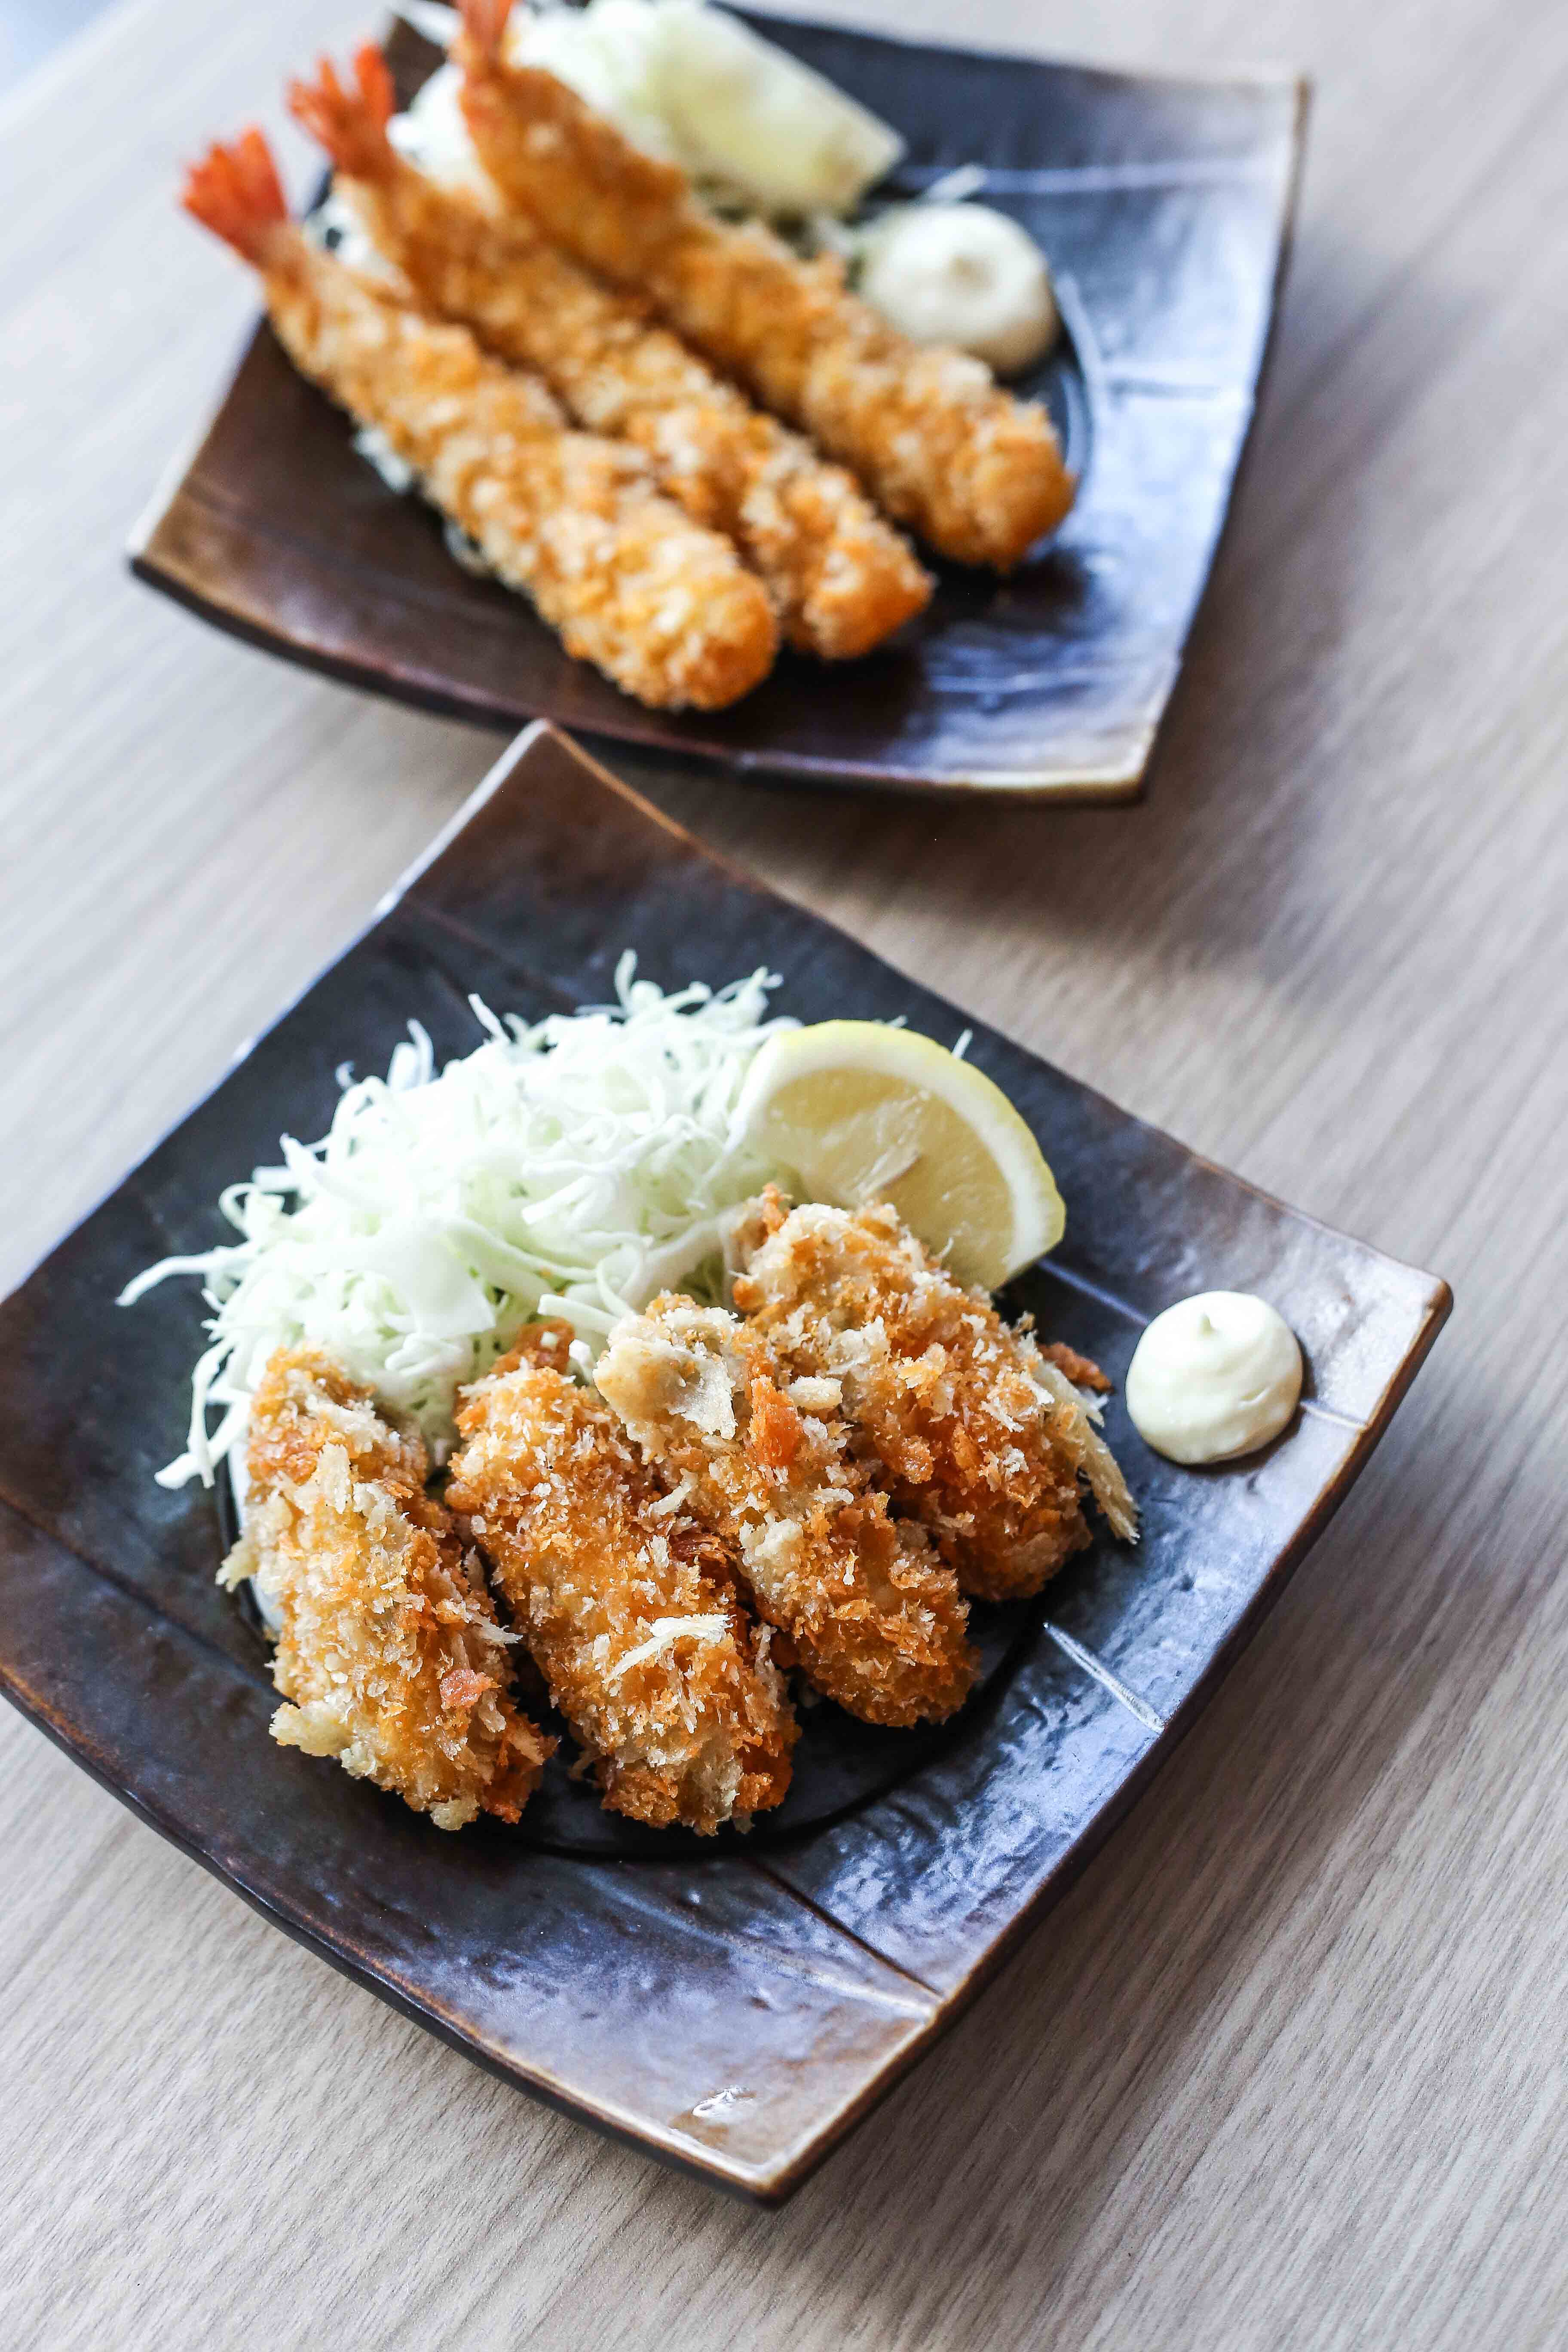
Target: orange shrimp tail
[484, 23]
[376, 84]
[235, 192]
[350, 123]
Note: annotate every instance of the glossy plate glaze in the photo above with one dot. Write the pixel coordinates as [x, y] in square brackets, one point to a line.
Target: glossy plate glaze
[1165, 207]
[733, 2005]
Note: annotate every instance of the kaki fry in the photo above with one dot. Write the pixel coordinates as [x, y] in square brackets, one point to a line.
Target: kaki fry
[389, 1654]
[981, 1434]
[627, 1605]
[873, 1614]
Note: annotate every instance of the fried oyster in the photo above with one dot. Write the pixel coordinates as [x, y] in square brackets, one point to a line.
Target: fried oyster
[871, 1611]
[390, 1656]
[980, 1432]
[627, 1605]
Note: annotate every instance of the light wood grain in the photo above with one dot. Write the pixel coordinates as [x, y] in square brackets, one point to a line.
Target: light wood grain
[1288, 2068]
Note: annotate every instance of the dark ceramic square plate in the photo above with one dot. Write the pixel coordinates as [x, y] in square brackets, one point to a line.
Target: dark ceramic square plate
[1165, 207]
[734, 2006]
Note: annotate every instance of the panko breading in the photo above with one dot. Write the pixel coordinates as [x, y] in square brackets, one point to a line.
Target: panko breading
[841, 577]
[978, 473]
[874, 1615]
[983, 1435]
[389, 1651]
[662, 606]
[625, 1603]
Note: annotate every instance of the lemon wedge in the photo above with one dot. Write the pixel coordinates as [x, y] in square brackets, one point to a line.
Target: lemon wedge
[860, 1112]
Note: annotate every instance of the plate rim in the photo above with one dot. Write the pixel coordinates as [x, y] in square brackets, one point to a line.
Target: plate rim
[155, 560]
[771, 2181]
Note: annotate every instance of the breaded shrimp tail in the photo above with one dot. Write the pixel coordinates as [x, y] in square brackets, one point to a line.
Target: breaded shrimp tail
[872, 1612]
[235, 192]
[485, 23]
[841, 577]
[665, 608]
[349, 120]
[388, 1651]
[627, 1605]
[983, 1436]
[943, 448]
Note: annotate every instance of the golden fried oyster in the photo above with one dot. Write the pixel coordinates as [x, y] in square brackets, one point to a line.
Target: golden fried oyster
[627, 1604]
[872, 1612]
[389, 1652]
[980, 1430]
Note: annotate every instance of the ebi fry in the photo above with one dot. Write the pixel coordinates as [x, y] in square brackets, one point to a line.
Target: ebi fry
[977, 473]
[664, 608]
[841, 577]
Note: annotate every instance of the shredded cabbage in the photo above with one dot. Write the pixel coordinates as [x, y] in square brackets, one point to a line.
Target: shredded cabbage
[576, 1167]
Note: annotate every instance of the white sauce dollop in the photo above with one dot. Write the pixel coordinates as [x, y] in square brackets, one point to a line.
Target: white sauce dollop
[1213, 1376]
[960, 274]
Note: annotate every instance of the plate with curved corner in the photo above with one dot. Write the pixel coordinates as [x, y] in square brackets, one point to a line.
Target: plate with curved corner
[731, 2005]
[1165, 209]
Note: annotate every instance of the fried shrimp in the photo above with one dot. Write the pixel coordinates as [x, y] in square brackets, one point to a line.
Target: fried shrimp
[627, 1605]
[663, 607]
[389, 1653]
[945, 450]
[874, 1615]
[981, 1434]
[842, 579]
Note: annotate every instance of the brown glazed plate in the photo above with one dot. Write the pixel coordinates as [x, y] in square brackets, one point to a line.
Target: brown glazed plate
[735, 2005]
[1165, 207]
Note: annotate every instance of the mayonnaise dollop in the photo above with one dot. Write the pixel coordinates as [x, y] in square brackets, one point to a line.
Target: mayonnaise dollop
[960, 274]
[1213, 1376]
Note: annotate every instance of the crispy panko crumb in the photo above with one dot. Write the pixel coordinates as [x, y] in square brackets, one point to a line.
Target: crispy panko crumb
[873, 1615]
[389, 1651]
[980, 1430]
[1081, 1370]
[944, 449]
[627, 1604]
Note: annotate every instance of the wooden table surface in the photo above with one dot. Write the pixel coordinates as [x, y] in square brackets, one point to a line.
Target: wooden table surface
[1287, 2066]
